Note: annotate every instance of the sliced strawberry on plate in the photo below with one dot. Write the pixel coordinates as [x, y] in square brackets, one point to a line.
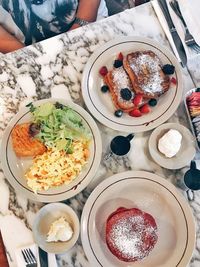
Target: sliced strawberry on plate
[120, 56]
[137, 100]
[145, 109]
[135, 113]
[173, 80]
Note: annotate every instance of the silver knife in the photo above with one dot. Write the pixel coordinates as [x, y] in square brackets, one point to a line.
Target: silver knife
[173, 31]
[43, 256]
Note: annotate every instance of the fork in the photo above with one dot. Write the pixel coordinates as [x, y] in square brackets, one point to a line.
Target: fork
[29, 258]
[189, 39]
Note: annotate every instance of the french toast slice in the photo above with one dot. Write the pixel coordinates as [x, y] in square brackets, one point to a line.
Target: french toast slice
[116, 80]
[146, 75]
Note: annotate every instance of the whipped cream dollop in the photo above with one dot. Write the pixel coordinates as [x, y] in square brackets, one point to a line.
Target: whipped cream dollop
[170, 143]
[60, 230]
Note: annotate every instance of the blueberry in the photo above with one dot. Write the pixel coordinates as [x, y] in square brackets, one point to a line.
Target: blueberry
[104, 88]
[118, 113]
[168, 69]
[152, 102]
[118, 63]
[126, 94]
[197, 90]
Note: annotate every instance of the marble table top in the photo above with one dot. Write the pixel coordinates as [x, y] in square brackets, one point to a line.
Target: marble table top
[54, 68]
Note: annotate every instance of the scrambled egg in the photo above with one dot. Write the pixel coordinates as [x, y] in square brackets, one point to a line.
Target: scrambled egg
[54, 167]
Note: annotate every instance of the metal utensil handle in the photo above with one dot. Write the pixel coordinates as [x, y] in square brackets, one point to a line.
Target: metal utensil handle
[190, 194]
[175, 6]
[165, 10]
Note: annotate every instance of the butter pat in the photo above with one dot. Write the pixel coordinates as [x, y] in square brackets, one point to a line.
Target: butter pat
[60, 230]
[170, 143]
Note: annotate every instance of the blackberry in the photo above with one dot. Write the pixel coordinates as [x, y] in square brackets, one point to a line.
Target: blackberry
[152, 102]
[168, 69]
[126, 94]
[118, 63]
[118, 113]
[104, 88]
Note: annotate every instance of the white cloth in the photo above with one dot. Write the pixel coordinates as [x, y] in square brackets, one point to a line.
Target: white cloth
[34, 248]
[189, 11]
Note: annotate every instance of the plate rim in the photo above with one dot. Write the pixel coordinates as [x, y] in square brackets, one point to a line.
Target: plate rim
[128, 128]
[191, 238]
[78, 187]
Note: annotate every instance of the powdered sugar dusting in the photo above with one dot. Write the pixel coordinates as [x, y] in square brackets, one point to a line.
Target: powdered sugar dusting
[147, 69]
[121, 80]
[131, 234]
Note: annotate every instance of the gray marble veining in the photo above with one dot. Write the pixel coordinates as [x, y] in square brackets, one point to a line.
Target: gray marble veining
[54, 68]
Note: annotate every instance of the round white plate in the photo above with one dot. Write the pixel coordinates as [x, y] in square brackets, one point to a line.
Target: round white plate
[43, 221]
[15, 167]
[184, 155]
[100, 104]
[152, 194]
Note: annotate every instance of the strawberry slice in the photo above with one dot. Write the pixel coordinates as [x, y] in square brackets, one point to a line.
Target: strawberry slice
[137, 100]
[103, 71]
[135, 113]
[145, 109]
[120, 56]
[173, 80]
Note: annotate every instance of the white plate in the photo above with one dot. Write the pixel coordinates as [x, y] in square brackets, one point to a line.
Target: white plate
[15, 167]
[184, 155]
[42, 223]
[100, 104]
[152, 194]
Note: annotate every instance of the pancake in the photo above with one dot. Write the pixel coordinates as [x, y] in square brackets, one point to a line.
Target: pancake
[131, 234]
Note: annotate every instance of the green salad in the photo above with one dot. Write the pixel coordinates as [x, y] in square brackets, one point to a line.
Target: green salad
[57, 126]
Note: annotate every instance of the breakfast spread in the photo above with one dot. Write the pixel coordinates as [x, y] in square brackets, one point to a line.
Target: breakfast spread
[170, 143]
[58, 142]
[131, 234]
[136, 82]
[193, 105]
[60, 230]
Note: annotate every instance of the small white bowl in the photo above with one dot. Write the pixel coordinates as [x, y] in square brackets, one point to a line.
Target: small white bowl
[184, 155]
[45, 217]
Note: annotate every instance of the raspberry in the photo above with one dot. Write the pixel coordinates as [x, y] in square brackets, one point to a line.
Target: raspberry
[145, 109]
[135, 113]
[118, 63]
[137, 100]
[168, 69]
[120, 56]
[173, 80]
[103, 71]
[126, 94]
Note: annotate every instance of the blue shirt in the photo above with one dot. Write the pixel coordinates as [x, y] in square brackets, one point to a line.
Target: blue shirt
[41, 19]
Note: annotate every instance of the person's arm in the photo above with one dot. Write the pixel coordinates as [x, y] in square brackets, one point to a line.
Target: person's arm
[87, 10]
[8, 42]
